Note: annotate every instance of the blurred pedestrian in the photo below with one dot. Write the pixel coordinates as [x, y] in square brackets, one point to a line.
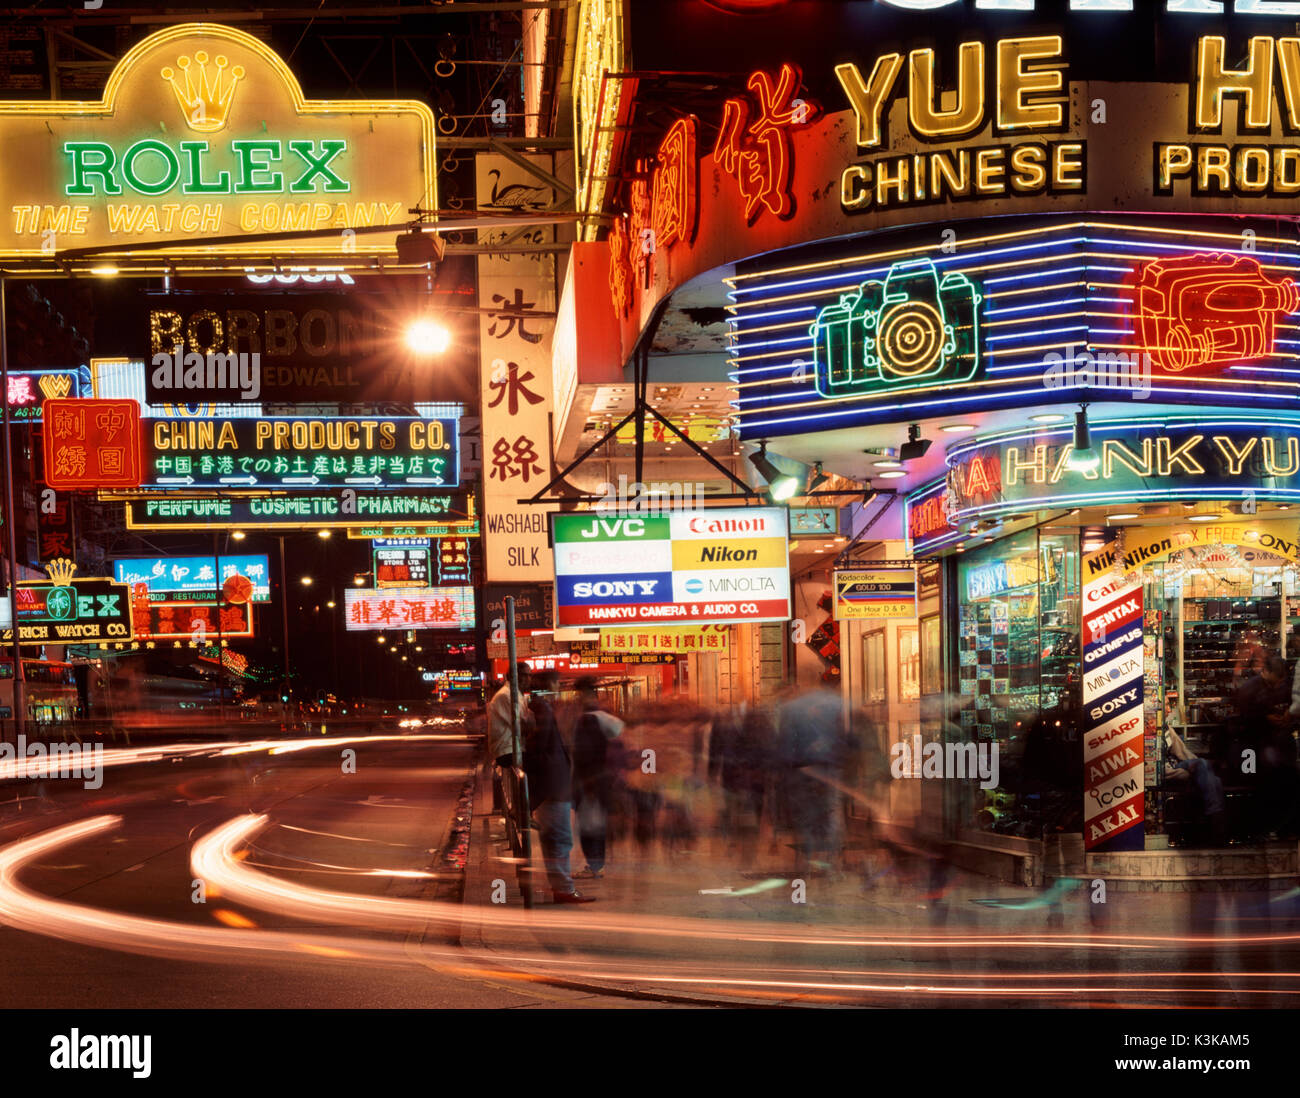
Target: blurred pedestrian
[813, 745]
[501, 728]
[593, 775]
[739, 753]
[550, 789]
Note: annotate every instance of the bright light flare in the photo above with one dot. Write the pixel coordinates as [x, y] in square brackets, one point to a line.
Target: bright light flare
[426, 337]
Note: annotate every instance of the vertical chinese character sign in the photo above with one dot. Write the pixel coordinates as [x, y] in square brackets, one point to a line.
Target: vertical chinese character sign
[515, 370]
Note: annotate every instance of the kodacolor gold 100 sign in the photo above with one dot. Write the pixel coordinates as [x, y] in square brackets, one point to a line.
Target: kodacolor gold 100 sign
[204, 132]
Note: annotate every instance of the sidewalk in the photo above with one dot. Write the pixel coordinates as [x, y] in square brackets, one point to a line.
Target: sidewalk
[662, 917]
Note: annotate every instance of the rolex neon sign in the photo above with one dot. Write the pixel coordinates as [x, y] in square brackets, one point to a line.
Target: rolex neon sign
[202, 131]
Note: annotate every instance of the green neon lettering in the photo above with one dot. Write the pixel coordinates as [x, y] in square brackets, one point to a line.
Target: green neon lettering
[171, 173]
[195, 151]
[318, 165]
[250, 167]
[91, 159]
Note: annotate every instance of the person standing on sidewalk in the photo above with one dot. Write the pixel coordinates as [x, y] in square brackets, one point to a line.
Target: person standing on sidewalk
[593, 775]
[550, 785]
[501, 732]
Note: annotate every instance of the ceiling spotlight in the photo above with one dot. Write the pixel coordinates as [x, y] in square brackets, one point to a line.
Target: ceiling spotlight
[1083, 458]
[892, 474]
[887, 464]
[817, 479]
[419, 247]
[1048, 418]
[1123, 516]
[1203, 518]
[958, 428]
[780, 486]
[915, 446]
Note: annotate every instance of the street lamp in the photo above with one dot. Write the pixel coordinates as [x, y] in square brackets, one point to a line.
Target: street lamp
[305, 581]
[426, 337]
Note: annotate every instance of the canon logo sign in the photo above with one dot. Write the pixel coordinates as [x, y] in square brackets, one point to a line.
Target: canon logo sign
[702, 525]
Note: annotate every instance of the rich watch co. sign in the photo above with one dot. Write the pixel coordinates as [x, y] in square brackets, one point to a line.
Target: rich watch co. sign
[203, 131]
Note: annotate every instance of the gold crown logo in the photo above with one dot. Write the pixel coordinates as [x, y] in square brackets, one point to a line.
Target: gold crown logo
[60, 570]
[204, 92]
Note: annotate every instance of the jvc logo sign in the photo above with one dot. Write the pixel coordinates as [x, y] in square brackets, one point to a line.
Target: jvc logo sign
[612, 528]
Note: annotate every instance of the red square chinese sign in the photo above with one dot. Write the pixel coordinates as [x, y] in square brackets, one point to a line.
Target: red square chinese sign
[91, 443]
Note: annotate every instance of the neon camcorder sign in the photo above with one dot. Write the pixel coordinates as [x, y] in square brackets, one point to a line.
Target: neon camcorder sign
[875, 337]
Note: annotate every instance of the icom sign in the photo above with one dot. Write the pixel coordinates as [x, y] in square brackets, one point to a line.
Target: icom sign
[204, 132]
[720, 565]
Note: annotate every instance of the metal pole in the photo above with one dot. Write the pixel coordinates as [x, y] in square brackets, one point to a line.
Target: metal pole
[513, 671]
[284, 622]
[221, 639]
[11, 521]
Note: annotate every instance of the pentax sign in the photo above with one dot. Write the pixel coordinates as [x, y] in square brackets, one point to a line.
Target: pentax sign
[203, 131]
[92, 443]
[290, 453]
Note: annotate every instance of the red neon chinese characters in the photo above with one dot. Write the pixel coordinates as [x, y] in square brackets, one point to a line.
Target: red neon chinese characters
[1208, 310]
[620, 268]
[91, 443]
[755, 146]
[675, 185]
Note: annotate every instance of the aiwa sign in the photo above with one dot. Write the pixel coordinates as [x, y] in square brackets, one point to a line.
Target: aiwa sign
[724, 565]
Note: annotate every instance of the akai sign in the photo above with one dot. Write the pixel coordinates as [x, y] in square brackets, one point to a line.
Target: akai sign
[203, 131]
[724, 565]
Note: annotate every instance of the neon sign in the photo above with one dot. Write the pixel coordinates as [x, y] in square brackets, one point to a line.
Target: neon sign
[1204, 310]
[203, 131]
[675, 183]
[286, 452]
[91, 443]
[1139, 460]
[1047, 290]
[911, 327]
[754, 145]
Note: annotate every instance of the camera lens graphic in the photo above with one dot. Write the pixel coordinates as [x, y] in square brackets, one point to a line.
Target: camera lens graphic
[910, 338]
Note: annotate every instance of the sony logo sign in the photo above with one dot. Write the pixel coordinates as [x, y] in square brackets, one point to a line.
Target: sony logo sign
[1174, 7]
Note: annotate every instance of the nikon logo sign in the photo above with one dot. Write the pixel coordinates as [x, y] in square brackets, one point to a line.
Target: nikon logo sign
[203, 131]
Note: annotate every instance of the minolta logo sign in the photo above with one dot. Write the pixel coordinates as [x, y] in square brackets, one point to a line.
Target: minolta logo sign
[694, 587]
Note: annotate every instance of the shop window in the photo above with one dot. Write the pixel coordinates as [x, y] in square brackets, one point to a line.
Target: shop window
[909, 664]
[1220, 638]
[1018, 654]
[873, 665]
[931, 655]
